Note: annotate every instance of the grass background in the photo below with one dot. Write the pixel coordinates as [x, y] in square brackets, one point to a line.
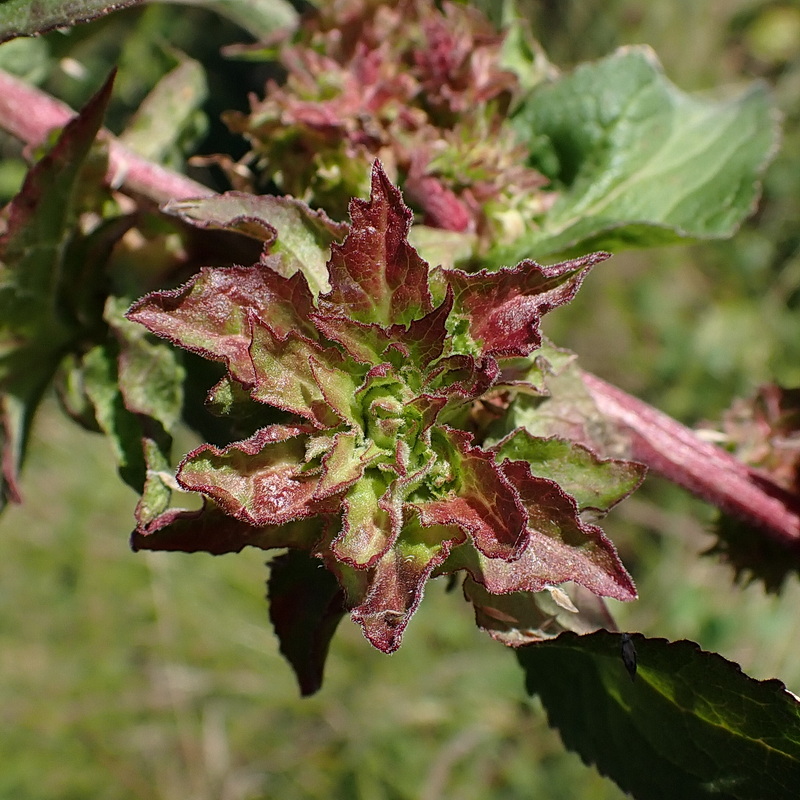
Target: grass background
[156, 676]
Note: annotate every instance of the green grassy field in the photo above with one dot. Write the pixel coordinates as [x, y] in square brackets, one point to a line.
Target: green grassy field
[143, 675]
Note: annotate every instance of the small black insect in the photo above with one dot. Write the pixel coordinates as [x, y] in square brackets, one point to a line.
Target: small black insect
[628, 654]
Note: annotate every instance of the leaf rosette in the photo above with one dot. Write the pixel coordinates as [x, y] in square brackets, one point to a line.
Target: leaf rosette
[368, 461]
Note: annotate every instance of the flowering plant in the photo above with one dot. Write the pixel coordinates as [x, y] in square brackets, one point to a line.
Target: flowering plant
[371, 454]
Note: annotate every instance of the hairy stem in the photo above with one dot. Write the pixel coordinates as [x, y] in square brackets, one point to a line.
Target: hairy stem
[714, 475]
[29, 114]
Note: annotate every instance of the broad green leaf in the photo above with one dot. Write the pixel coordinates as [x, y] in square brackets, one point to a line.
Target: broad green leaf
[690, 725]
[27, 18]
[298, 238]
[641, 163]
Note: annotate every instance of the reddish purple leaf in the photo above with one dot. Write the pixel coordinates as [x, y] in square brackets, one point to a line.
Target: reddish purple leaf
[480, 499]
[211, 530]
[504, 308]
[562, 547]
[211, 314]
[262, 480]
[398, 581]
[375, 274]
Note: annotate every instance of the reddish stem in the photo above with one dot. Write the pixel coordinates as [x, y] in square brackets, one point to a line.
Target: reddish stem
[29, 114]
[714, 475]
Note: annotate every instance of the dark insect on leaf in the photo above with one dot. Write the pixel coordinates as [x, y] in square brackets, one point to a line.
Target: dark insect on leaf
[628, 654]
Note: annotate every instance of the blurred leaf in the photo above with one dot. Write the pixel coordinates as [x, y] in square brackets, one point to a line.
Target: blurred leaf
[35, 328]
[691, 725]
[641, 162]
[754, 555]
[101, 382]
[26, 18]
[28, 59]
[258, 17]
[168, 114]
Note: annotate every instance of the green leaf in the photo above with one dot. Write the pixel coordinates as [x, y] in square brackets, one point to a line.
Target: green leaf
[169, 114]
[26, 18]
[151, 374]
[298, 239]
[119, 424]
[593, 482]
[691, 725]
[36, 330]
[640, 162]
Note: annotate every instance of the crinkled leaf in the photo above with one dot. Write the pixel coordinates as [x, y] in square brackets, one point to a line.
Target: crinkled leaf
[211, 314]
[298, 375]
[560, 547]
[34, 333]
[370, 524]
[593, 482]
[306, 604]
[498, 313]
[477, 497]
[26, 18]
[691, 724]
[261, 480]
[298, 239]
[375, 274]
[641, 162]
[398, 581]
[211, 530]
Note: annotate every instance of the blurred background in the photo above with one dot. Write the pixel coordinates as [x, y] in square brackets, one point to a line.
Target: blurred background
[156, 675]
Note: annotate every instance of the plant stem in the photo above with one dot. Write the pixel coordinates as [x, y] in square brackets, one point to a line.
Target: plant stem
[707, 471]
[29, 114]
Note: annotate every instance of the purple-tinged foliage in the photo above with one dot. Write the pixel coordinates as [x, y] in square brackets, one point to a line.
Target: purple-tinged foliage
[375, 473]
